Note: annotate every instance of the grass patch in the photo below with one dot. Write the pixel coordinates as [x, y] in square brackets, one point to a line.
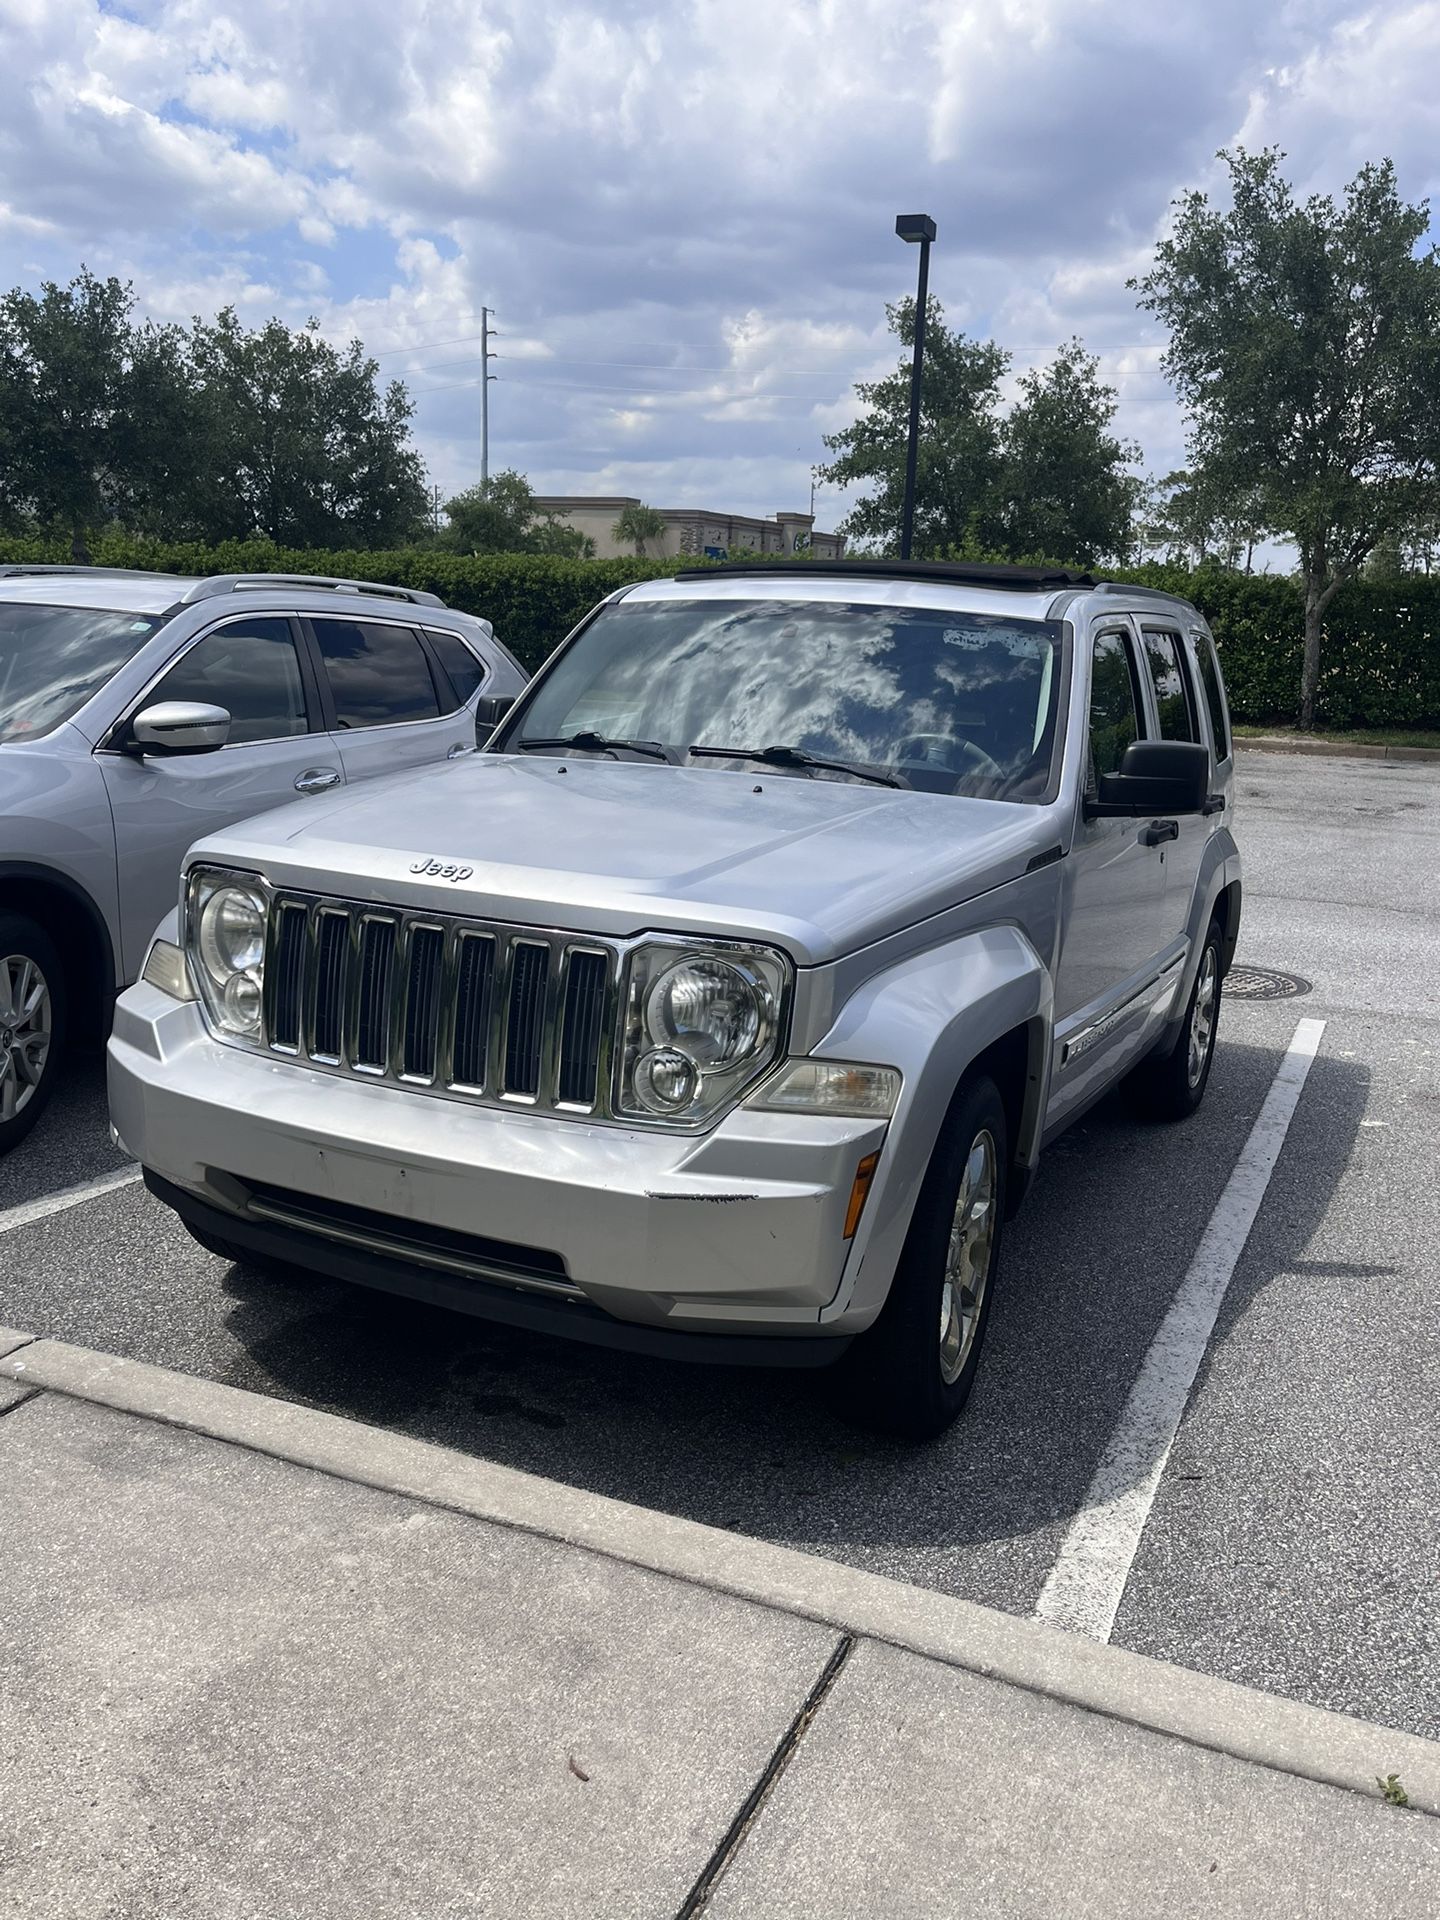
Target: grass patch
[1362, 736]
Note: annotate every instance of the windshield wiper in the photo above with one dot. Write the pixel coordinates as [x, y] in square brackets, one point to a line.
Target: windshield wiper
[599, 743]
[798, 757]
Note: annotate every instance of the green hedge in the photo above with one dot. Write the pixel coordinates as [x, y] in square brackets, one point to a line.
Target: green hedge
[1381, 664]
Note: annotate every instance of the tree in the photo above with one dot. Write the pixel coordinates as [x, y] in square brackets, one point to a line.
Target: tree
[1064, 489]
[959, 459]
[1188, 520]
[1046, 480]
[637, 526]
[302, 448]
[1303, 341]
[500, 516]
[76, 386]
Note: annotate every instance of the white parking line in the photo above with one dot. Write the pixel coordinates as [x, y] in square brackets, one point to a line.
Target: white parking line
[33, 1210]
[1084, 1587]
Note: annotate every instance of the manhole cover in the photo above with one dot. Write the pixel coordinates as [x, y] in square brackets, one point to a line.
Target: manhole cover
[1262, 983]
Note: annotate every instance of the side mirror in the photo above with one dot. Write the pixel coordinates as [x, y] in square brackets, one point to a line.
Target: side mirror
[489, 712]
[1155, 777]
[179, 726]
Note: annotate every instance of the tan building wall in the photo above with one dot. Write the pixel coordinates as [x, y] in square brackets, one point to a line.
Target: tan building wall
[691, 532]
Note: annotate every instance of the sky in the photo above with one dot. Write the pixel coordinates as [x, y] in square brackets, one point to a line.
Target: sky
[681, 213]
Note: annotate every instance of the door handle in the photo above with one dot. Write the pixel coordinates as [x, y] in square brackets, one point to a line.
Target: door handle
[459, 749]
[1159, 830]
[316, 779]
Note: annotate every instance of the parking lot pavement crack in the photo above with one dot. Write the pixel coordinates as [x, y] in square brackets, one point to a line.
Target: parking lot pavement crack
[754, 1802]
[13, 1396]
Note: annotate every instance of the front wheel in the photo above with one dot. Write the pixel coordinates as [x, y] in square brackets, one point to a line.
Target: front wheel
[1172, 1085]
[912, 1372]
[32, 1025]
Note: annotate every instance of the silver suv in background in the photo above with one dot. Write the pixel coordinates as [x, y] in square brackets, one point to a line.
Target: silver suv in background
[724, 1006]
[140, 711]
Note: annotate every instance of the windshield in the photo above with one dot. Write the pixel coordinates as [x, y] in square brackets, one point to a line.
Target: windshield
[53, 658]
[949, 702]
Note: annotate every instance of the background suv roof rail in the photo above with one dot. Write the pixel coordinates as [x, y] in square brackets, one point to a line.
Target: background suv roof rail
[973, 573]
[18, 569]
[1143, 593]
[218, 583]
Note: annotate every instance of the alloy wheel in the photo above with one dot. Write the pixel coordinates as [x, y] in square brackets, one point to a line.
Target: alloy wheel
[1202, 1016]
[968, 1258]
[26, 1024]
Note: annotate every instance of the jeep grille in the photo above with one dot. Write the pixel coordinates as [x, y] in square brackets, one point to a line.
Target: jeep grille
[504, 1015]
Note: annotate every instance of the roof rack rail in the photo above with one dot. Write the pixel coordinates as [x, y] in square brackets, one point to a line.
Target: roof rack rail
[972, 573]
[1143, 593]
[217, 583]
[18, 569]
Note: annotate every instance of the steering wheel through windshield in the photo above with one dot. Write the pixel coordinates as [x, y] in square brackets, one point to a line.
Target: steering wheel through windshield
[947, 752]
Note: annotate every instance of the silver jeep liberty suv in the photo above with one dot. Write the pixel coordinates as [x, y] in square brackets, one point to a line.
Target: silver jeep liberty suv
[724, 1006]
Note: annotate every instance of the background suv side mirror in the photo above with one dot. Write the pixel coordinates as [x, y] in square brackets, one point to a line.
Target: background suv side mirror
[489, 712]
[1156, 776]
[179, 726]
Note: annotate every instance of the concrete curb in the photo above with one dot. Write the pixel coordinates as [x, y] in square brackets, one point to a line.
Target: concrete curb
[1333, 749]
[1283, 1735]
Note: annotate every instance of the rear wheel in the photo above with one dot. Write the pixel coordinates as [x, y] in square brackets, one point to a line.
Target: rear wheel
[32, 1025]
[1172, 1085]
[912, 1372]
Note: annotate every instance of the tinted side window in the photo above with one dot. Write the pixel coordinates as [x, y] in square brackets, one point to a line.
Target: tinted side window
[251, 669]
[464, 672]
[1214, 694]
[378, 674]
[1114, 707]
[1172, 686]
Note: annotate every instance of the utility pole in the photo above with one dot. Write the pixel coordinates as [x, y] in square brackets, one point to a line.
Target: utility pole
[486, 356]
[912, 227]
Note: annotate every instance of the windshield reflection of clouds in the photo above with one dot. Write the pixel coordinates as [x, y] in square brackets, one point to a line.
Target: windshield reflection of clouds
[53, 658]
[954, 702]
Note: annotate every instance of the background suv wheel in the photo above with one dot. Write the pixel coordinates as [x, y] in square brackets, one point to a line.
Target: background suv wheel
[32, 1025]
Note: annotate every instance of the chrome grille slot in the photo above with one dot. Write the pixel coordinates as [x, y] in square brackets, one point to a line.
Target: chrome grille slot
[375, 961]
[421, 1010]
[474, 1011]
[586, 978]
[285, 978]
[327, 988]
[524, 1020]
[474, 982]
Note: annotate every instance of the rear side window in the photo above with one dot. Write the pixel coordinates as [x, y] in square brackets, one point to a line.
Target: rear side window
[1178, 719]
[464, 672]
[252, 670]
[378, 673]
[1214, 694]
[1114, 705]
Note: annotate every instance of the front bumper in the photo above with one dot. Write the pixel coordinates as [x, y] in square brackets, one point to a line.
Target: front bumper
[739, 1232]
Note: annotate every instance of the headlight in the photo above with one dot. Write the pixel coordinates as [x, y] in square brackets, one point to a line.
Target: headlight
[225, 925]
[701, 1023]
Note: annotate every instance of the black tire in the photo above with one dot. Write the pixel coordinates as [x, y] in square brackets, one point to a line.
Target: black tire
[32, 1033]
[900, 1377]
[1171, 1085]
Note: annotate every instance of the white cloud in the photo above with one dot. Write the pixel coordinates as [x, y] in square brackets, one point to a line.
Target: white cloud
[681, 209]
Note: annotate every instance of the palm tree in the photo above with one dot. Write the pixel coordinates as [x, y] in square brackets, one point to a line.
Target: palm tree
[638, 524]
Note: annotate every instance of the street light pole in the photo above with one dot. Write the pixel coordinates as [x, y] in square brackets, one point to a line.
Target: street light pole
[912, 227]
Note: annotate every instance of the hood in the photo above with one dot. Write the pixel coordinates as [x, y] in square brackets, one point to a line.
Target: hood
[819, 866]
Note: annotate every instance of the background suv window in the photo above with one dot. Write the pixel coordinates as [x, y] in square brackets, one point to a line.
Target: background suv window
[252, 670]
[1114, 708]
[378, 673]
[1178, 720]
[464, 672]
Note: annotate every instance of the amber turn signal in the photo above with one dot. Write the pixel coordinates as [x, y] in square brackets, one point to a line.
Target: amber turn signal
[860, 1193]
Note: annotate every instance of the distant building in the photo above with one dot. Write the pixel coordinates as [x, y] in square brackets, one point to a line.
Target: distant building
[691, 532]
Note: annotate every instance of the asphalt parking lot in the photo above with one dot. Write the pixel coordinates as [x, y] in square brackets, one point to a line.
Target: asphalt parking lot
[1292, 1543]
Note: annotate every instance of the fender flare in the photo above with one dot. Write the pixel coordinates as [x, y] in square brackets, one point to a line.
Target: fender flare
[28, 871]
[933, 1016]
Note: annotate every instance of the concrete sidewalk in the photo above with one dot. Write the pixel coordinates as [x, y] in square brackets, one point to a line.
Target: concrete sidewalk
[260, 1661]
